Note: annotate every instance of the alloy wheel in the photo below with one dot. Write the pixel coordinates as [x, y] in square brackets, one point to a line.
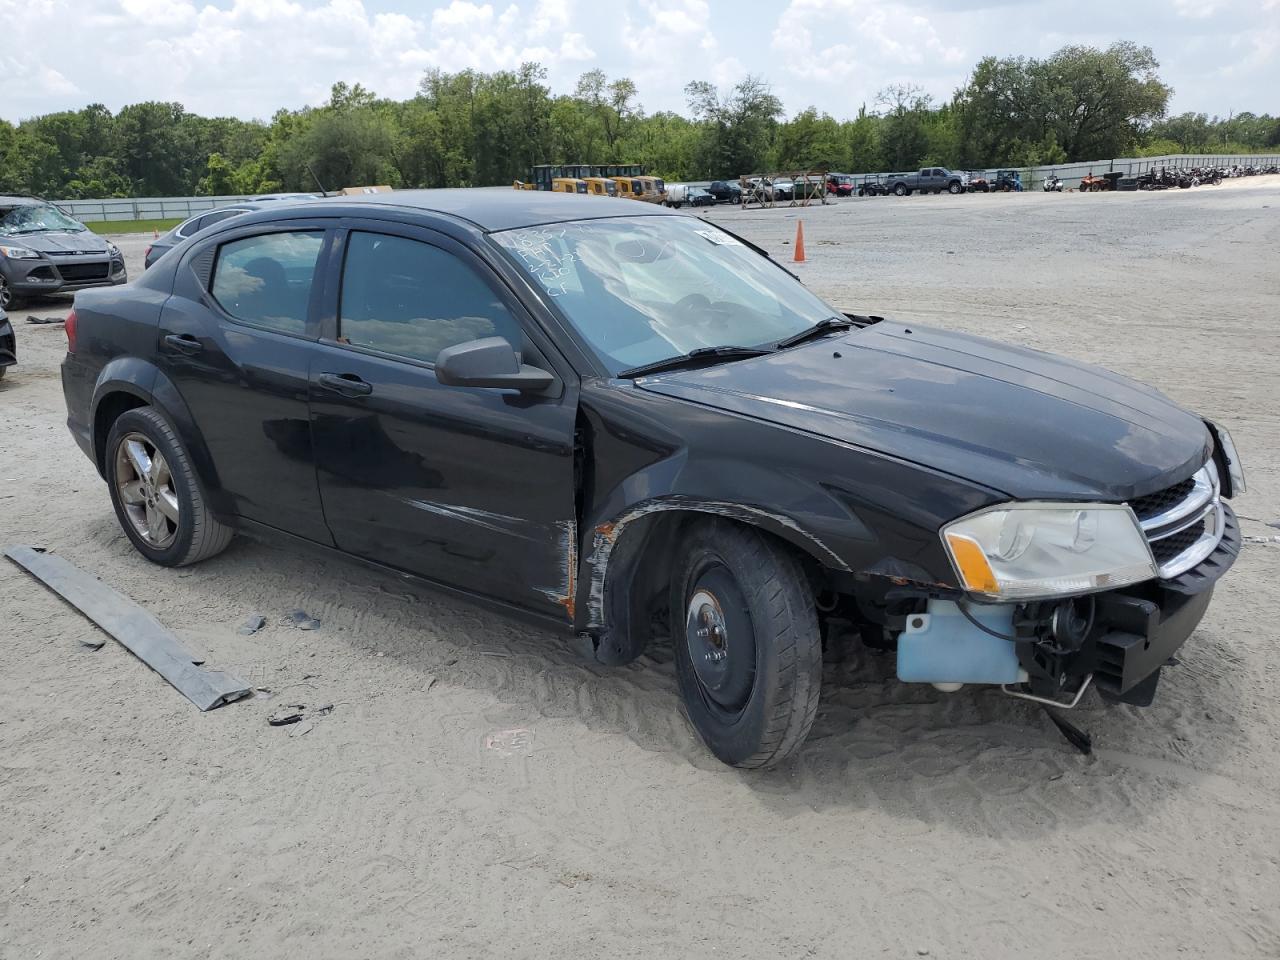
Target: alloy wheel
[145, 486]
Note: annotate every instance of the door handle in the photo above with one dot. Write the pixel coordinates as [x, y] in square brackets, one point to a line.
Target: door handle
[347, 384]
[184, 343]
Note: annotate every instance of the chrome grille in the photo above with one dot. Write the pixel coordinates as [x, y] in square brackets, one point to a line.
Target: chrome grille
[1182, 523]
[1154, 504]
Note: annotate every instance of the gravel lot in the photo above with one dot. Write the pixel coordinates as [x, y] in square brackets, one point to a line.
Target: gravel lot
[414, 822]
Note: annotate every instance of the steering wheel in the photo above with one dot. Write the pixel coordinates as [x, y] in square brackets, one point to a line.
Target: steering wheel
[694, 301]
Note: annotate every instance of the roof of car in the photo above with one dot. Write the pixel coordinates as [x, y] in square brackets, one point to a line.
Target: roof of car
[12, 201]
[501, 208]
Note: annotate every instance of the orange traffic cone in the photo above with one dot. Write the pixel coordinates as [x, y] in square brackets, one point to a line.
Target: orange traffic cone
[799, 257]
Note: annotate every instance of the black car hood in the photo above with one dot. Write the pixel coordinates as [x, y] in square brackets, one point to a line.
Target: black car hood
[60, 241]
[1025, 423]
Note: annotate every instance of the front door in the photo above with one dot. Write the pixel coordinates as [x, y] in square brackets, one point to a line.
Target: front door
[471, 487]
[235, 341]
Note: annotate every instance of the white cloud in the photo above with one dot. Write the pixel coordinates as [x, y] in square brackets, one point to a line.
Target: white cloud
[882, 37]
[250, 57]
[669, 43]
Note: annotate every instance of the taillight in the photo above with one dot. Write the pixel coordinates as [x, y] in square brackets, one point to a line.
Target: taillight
[146, 255]
[70, 327]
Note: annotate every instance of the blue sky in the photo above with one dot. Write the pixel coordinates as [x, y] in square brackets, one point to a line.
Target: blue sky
[249, 57]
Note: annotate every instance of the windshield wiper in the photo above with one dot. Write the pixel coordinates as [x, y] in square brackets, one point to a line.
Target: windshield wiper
[819, 328]
[695, 358]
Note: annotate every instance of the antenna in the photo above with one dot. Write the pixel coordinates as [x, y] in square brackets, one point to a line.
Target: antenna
[317, 180]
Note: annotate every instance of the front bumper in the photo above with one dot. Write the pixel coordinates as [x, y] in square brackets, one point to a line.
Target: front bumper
[1138, 629]
[33, 278]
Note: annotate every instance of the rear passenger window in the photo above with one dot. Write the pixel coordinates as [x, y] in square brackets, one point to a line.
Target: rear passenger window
[412, 299]
[209, 219]
[191, 227]
[266, 280]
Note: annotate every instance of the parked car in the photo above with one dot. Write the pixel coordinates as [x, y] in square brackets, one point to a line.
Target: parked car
[678, 194]
[44, 251]
[190, 227]
[699, 197]
[928, 180]
[268, 197]
[978, 182]
[8, 344]
[632, 424]
[840, 184]
[725, 191]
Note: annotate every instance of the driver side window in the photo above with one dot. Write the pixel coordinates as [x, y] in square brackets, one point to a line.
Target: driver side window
[412, 299]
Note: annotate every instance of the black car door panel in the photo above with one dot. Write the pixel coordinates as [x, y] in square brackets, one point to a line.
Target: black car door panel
[240, 361]
[471, 487]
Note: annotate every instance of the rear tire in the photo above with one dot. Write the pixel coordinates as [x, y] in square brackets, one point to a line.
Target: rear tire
[748, 650]
[900, 190]
[162, 510]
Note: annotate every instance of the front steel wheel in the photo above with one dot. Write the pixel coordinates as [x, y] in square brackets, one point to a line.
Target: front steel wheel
[144, 485]
[748, 652]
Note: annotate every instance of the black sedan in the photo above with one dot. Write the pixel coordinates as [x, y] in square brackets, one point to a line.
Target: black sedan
[633, 424]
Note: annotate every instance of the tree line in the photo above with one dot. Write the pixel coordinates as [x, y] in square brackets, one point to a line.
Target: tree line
[473, 129]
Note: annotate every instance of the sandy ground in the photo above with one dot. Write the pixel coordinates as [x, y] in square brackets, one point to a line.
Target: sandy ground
[479, 791]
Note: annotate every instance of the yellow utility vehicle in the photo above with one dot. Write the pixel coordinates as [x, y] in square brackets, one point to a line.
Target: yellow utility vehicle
[601, 186]
[649, 189]
[568, 185]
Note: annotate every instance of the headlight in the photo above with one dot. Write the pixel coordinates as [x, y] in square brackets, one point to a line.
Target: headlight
[1234, 470]
[1029, 551]
[19, 253]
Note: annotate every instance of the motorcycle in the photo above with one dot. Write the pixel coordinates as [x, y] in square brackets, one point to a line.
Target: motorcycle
[1052, 183]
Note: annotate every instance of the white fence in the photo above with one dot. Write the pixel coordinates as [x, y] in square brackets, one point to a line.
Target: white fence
[1071, 173]
[143, 208]
[179, 208]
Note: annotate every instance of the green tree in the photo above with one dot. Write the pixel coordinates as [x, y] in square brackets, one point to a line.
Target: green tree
[737, 130]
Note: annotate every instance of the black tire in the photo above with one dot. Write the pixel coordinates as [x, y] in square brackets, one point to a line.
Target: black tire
[955, 188]
[197, 534]
[900, 190]
[8, 299]
[754, 705]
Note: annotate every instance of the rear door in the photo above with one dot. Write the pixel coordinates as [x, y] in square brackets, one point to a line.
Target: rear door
[235, 340]
[471, 487]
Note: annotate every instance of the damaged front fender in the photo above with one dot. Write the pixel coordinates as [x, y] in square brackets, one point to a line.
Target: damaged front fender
[851, 511]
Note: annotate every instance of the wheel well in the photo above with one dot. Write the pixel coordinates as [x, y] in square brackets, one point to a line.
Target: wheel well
[109, 410]
[637, 580]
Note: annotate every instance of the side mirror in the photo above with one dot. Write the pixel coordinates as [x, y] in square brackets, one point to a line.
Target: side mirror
[491, 362]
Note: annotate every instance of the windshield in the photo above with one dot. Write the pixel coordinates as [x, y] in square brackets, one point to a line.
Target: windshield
[641, 289]
[37, 218]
